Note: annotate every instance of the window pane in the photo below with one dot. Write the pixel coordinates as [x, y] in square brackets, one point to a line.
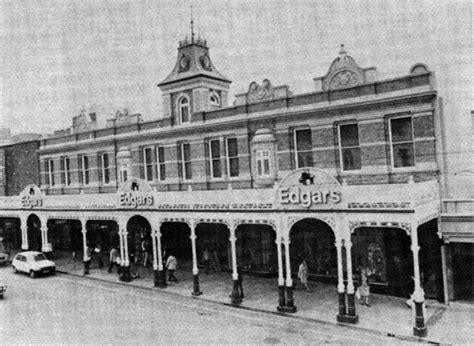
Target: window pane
[305, 159]
[215, 149]
[105, 163]
[403, 155]
[349, 135]
[266, 167]
[303, 140]
[162, 171]
[232, 147]
[188, 172]
[259, 167]
[216, 168]
[401, 130]
[234, 167]
[351, 159]
[187, 152]
[184, 114]
[161, 154]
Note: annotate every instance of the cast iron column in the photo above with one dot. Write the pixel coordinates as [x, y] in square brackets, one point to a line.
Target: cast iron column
[155, 260]
[161, 271]
[419, 329]
[352, 317]
[24, 234]
[235, 296]
[86, 258]
[281, 280]
[196, 290]
[290, 305]
[340, 283]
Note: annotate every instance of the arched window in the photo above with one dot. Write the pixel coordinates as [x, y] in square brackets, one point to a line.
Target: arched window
[183, 109]
[215, 99]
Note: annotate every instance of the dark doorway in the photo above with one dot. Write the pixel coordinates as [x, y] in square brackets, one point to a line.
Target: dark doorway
[33, 224]
[256, 249]
[314, 241]
[175, 239]
[462, 255]
[430, 260]
[215, 238]
[10, 232]
[139, 232]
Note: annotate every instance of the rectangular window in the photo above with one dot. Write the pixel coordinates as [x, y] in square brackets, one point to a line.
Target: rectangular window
[51, 172]
[62, 171]
[232, 157]
[303, 148]
[148, 163]
[123, 172]
[161, 163]
[215, 158]
[186, 161]
[105, 168]
[401, 134]
[263, 163]
[84, 169]
[349, 148]
[67, 171]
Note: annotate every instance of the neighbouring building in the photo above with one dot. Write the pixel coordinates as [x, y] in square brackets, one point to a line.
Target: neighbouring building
[346, 176]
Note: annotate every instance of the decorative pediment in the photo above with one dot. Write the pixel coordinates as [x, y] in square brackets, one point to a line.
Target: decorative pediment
[258, 92]
[345, 73]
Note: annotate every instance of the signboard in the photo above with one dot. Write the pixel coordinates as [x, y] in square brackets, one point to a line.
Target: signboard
[309, 188]
[31, 197]
[135, 193]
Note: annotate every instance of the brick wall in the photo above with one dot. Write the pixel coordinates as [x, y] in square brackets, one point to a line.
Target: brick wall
[21, 166]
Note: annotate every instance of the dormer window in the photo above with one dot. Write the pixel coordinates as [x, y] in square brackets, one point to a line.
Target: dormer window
[214, 99]
[183, 110]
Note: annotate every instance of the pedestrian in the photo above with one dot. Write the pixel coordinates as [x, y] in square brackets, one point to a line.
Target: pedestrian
[171, 265]
[206, 258]
[87, 259]
[114, 259]
[239, 280]
[98, 252]
[147, 250]
[364, 288]
[303, 275]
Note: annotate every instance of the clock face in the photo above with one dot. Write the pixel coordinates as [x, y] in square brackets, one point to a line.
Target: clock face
[344, 79]
[183, 63]
[205, 62]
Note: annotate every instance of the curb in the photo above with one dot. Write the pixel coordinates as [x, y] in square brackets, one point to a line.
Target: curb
[276, 313]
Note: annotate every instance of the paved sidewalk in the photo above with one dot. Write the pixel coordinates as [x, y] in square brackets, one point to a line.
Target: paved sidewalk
[387, 315]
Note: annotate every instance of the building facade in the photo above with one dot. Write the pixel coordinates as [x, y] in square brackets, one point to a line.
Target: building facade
[345, 177]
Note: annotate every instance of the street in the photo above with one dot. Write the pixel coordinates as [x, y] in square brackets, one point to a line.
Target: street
[65, 309]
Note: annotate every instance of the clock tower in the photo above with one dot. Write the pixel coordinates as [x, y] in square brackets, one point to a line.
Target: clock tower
[194, 84]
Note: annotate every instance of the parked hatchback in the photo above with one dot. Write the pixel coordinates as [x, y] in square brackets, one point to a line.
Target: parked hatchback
[33, 263]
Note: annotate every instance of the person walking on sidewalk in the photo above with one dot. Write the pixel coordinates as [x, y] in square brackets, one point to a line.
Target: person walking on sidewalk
[114, 260]
[239, 280]
[364, 288]
[171, 265]
[303, 275]
[206, 258]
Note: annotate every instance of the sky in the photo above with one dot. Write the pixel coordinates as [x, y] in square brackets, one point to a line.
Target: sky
[61, 56]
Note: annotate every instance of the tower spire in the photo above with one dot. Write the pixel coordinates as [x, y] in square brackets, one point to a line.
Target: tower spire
[192, 25]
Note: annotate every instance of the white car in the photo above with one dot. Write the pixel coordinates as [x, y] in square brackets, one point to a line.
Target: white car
[33, 263]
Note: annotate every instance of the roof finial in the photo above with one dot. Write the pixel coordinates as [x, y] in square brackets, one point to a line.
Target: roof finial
[342, 51]
[192, 25]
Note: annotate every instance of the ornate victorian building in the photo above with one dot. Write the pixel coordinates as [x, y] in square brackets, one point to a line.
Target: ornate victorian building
[345, 176]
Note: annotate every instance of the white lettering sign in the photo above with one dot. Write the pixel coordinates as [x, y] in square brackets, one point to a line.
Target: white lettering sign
[134, 200]
[307, 197]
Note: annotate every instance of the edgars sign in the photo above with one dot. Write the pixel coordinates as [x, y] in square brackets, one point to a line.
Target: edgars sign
[309, 188]
[135, 193]
[31, 196]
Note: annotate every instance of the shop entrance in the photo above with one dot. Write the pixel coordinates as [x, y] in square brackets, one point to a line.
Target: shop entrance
[386, 254]
[256, 249]
[139, 241]
[314, 241]
[10, 234]
[65, 235]
[33, 225]
[213, 238]
[430, 260]
[462, 255]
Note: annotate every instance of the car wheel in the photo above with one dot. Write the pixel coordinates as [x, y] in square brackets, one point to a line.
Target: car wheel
[32, 274]
[15, 271]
